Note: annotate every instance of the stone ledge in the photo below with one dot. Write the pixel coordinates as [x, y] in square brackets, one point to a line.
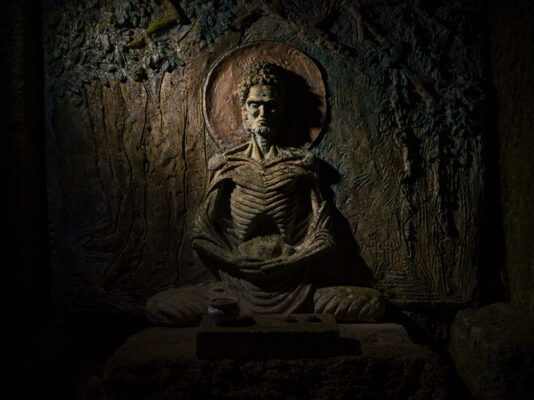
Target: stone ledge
[493, 350]
[160, 363]
[269, 336]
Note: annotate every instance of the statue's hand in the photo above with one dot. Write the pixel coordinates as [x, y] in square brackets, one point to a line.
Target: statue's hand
[232, 261]
[315, 245]
[213, 251]
[256, 270]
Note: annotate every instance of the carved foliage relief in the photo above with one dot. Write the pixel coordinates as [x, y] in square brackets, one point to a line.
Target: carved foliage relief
[127, 142]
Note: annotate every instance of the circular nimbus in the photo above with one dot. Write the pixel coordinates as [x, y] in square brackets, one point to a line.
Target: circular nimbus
[222, 108]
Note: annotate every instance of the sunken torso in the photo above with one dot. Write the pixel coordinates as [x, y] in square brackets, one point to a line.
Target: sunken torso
[266, 198]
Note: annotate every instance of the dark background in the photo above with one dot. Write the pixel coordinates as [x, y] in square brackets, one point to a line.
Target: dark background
[52, 353]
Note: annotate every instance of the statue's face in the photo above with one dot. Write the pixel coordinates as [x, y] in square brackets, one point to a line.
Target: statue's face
[262, 110]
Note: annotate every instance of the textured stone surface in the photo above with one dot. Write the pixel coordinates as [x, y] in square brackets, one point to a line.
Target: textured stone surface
[493, 350]
[128, 149]
[159, 363]
[350, 303]
[512, 57]
[269, 336]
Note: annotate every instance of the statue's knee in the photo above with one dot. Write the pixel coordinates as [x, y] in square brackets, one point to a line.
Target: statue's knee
[350, 303]
[175, 307]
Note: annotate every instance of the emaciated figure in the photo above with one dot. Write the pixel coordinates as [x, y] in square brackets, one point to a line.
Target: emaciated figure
[263, 223]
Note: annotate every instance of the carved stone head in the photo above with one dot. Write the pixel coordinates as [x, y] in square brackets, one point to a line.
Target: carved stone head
[262, 94]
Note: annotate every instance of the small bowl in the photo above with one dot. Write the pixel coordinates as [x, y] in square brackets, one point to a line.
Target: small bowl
[223, 309]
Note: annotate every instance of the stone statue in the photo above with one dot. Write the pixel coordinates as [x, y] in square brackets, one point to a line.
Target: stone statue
[263, 223]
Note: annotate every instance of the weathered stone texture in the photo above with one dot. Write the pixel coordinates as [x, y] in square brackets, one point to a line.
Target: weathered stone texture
[493, 350]
[512, 59]
[160, 363]
[493, 346]
[127, 145]
[269, 336]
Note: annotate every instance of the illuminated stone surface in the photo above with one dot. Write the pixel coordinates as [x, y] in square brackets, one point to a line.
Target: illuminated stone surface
[128, 147]
[264, 223]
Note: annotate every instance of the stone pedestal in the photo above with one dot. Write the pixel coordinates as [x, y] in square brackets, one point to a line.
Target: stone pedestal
[493, 349]
[379, 362]
[269, 336]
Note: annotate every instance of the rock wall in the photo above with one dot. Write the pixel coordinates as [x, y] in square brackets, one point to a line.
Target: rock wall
[127, 144]
[511, 51]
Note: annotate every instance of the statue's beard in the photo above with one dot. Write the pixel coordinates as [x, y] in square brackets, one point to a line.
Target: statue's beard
[265, 132]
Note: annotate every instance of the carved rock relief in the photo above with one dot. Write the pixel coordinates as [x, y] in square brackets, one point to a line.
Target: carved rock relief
[127, 144]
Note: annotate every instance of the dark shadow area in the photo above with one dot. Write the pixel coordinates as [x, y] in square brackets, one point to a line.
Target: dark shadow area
[239, 321]
[491, 272]
[348, 347]
[431, 329]
[52, 353]
[344, 265]
[25, 258]
[303, 110]
[49, 353]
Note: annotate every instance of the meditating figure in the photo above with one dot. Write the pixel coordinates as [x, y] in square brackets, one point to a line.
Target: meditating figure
[264, 223]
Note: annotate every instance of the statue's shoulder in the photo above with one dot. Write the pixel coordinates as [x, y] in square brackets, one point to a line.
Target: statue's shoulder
[302, 157]
[217, 161]
[237, 151]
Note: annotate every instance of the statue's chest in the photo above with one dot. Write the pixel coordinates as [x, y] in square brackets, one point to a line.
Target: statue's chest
[259, 189]
[265, 201]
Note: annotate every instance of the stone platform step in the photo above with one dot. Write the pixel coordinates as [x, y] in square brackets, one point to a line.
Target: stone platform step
[269, 336]
[379, 361]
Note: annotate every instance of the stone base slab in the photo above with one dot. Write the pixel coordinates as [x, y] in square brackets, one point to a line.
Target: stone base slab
[493, 349]
[161, 363]
[269, 336]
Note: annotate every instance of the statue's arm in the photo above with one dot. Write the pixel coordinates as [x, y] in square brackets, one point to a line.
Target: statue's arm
[320, 237]
[206, 238]
[208, 242]
[205, 230]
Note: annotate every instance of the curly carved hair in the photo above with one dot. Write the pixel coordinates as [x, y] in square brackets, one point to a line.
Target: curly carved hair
[259, 73]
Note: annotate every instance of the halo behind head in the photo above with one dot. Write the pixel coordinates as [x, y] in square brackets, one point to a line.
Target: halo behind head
[294, 70]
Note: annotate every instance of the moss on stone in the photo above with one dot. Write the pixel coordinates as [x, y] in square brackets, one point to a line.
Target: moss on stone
[165, 21]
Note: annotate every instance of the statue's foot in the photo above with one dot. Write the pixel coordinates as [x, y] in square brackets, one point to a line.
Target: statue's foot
[184, 306]
[350, 303]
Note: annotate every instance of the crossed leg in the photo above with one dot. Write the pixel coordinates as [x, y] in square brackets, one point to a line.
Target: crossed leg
[185, 306]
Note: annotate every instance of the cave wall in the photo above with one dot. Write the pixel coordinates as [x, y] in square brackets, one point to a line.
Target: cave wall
[512, 60]
[127, 145]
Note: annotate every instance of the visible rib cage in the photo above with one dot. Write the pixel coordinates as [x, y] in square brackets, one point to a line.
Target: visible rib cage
[265, 201]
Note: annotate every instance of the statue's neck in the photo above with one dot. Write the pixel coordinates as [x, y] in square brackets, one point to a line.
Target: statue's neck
[262, 148]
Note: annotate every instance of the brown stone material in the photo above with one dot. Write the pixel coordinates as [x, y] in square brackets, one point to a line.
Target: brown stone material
[401, 144]
[512, 57]
[264, 222]
[269, 336]
[160, 363]
[493, 351]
